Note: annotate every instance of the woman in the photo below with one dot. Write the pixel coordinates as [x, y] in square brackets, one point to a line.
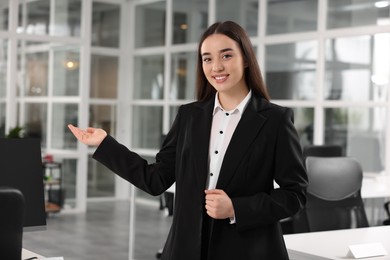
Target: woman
[224, 152]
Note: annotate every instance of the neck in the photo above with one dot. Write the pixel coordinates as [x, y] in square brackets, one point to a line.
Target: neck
[230, 101]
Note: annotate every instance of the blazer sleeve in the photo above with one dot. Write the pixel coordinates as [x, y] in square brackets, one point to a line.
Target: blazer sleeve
[288, 171]
[152, 178]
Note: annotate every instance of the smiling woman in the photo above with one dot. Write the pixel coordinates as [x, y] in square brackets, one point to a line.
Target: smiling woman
[226, 206]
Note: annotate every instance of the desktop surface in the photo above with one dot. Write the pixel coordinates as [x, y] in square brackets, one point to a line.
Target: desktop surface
[335, 244]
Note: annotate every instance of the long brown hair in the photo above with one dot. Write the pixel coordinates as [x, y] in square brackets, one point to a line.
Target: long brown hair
[253, 77]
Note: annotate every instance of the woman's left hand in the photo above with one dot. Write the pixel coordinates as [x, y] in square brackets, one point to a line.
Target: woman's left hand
[218, 204]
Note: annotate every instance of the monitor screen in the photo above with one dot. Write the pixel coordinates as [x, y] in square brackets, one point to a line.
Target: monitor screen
[21, 168]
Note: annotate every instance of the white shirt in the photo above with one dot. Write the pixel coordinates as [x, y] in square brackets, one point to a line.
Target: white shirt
[222, 128]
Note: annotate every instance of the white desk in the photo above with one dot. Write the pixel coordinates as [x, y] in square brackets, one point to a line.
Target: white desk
[27, 254]
[376, 186]
[334, 244]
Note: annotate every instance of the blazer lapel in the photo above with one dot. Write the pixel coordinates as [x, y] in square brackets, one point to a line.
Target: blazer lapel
[201, 127]
[246, 131]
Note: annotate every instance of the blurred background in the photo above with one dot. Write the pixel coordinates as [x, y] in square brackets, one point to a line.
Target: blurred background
[127, 65]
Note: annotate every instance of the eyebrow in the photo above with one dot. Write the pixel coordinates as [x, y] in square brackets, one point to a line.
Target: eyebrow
[221, 51]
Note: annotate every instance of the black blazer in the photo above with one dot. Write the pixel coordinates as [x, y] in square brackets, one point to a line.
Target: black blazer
[263, 148]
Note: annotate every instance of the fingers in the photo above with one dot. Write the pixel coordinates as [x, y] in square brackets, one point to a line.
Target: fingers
[218, 204]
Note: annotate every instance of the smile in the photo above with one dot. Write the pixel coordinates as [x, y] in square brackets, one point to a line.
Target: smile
[220, 78]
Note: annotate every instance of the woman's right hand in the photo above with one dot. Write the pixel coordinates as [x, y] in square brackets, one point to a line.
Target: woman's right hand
[90, 136]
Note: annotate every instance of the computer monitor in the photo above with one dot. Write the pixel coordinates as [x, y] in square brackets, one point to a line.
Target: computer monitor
[21, 168]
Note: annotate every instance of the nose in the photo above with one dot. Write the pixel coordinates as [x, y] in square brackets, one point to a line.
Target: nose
[217, 66]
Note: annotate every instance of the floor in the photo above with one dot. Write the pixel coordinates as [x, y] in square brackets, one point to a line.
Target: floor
[101, 233]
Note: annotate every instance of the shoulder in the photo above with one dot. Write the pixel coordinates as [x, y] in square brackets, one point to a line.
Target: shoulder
[265, 107]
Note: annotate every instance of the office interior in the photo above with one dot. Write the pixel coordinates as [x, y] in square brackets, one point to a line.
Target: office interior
[127, 65]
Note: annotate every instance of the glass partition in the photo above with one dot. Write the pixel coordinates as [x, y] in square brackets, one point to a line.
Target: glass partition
[291, 16]
[105, 24]
[40, 18]
[357, 68]
[35, 122]
[3, 67]
[304, 123]
[101, 181]
[189, 20]
[350, 13]
[244, 12]
[63, 114]
[4, 15]
[183, 75]
[33, 64]
[104, 76]
[291, 70]
[66, 70]
[149, 77]
[147, 127]
[361, 132]
[150, 32]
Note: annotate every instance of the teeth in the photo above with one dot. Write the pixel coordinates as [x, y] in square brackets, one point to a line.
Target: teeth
[219, 78]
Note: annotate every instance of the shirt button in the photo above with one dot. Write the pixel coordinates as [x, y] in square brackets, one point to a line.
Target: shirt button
[221, 132]
[216, 152]
[211, 174]
[227, 114]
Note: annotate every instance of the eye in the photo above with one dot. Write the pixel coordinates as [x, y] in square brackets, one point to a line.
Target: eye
[227, 56]
[206, 59]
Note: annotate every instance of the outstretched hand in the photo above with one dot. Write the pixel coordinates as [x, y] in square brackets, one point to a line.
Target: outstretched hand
[90, 136]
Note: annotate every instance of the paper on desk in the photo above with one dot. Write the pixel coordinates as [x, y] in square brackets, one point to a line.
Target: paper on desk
[366, 250]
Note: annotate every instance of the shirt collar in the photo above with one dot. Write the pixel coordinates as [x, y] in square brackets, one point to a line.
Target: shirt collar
[240, 108]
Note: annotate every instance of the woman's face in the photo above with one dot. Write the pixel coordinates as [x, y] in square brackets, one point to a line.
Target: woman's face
[223, 64]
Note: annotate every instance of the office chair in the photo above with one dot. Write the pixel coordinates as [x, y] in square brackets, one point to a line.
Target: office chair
[333, 195]
[11, 223]
[330, 150]
[387, 209]
[288, 225]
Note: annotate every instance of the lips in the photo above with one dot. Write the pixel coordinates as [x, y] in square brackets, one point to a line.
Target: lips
[220, 78]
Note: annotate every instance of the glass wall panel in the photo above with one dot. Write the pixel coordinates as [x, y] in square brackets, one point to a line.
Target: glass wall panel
[172, 114]
[104, 76]
[189, 20]
[36, 121]
[35, 17]
[105, 24]
[149, 77]
[357, 68]
[67, 18]
[4, 15]
[362, 133]
[243, 12]
[291, 16]
[291, 70]
[101, 181]
[183, 76]
[69, 176]
[147, 127]
[33, 65]
[304, 123]
[2, 120]
[150, 32]
[349, 13]
[3, 67]
[66, 71]
[64, 114]
[103, 116]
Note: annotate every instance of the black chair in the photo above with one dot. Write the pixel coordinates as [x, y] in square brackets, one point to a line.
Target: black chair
[333, 196]
[387, 205]
[330, 150]
[11, 223]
